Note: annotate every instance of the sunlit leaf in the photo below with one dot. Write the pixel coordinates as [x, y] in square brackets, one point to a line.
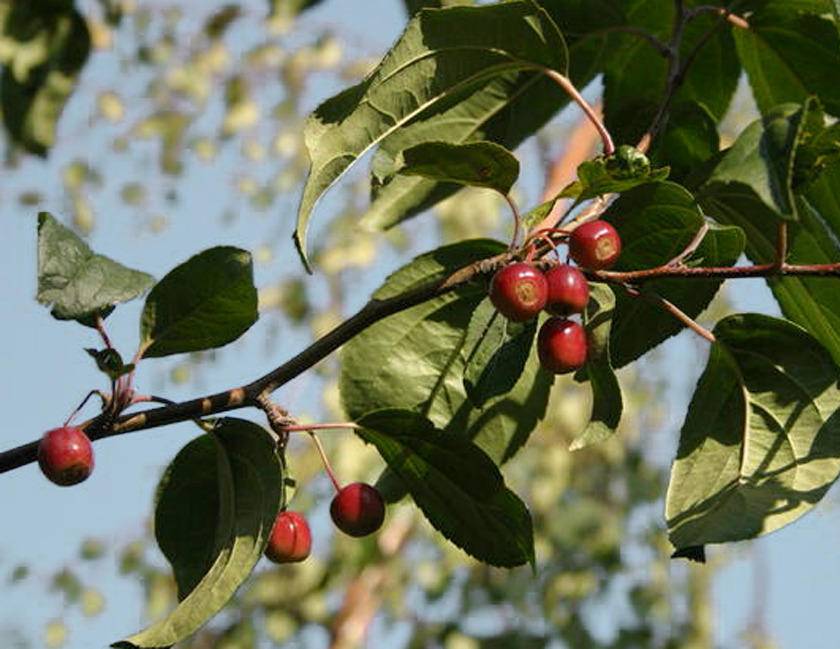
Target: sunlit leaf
[208, 301]
[423, 71]
[761, 442]
[77, 282]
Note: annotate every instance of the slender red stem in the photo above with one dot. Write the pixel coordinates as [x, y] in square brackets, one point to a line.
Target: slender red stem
[517, 221]
[100, 327]
[566, 84]
[305, 428]
[325, 461]
[84, 401]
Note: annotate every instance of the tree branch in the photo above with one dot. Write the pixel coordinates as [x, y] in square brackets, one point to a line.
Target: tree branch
[714, 272]
[104, 425]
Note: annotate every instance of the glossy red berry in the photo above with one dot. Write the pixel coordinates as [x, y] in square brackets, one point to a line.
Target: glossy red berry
[568, 290]
[595, 245]
[65, 455]
[519, 291]
[290, 540]
[562, 346]
[358, 509]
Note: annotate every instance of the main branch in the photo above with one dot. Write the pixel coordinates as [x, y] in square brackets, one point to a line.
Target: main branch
[374, 311]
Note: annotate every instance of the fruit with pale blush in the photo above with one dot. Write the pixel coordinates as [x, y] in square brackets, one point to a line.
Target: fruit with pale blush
[519, 291]
[595, 245]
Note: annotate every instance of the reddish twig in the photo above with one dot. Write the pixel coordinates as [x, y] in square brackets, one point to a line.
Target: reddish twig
[305, 428]
[566, 84]
[675, 311]
[517, 221]
[721, 272]
[733, 19]
[691, 247]
[325, 460]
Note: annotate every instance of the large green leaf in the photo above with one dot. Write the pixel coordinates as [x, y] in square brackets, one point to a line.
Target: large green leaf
[415, 360]
[762, 160]
[607, 403]
[208, 301]
[507, 111]
[478, 164]
[811, 302]
[433, 64]
[761, 442]
[43, 47]
[457, 486]
[689, 139]
[77, 282]
[789, 55]
[216, 505]
[497, 350]
[656, 222]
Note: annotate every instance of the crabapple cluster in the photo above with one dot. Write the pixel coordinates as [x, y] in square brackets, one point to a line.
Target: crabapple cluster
[65, 456]
[357, 509]
[520, 291]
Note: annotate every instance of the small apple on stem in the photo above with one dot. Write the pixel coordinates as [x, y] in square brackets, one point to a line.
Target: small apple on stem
[290, 540]
[519, 291]
[358, 509]
[562, 346]
[65, 455]
[595, 245]
[568, 290]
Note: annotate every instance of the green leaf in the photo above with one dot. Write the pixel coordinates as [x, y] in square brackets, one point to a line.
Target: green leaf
[762, 159]
[434, 63]
[607, 403]
[208, 301]
[507, 110]
[536, 215]
[497, 350]
[75, 281]
[43, 47]
[817, 149]
[761, 442]
[656, 222]
[478, 164]
[690, 139]
[624, 170]
[415, 360]
[110, 362]
[811, 302]
[789, 55]
[457, 486]
[216, 505]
